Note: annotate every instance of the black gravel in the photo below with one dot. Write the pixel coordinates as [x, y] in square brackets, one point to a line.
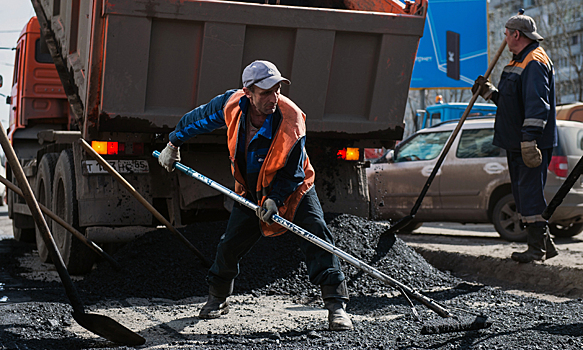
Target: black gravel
[158, 266]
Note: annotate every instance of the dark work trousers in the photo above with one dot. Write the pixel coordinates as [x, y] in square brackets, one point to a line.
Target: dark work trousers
[243, 232]
[528, 186]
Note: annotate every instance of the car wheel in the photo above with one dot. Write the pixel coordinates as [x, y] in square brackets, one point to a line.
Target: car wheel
[506, 222]
[565, 231]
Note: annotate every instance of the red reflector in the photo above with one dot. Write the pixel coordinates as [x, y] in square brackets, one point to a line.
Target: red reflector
[559, 166]
[112, 148]
[121, 148]
[138, 148]
[341, 154]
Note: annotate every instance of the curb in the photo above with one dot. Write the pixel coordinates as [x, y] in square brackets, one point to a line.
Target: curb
[535, 277]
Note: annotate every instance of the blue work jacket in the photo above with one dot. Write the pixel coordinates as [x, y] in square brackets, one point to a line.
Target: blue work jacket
[210, 116]
[526, 101]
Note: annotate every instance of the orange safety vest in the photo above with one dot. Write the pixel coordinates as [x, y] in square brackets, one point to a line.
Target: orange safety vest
[291, 129]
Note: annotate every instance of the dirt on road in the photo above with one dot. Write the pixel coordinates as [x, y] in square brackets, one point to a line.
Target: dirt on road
[161, 288]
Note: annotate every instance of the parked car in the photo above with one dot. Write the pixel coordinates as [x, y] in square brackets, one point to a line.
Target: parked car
[571, 111]
[473, 183]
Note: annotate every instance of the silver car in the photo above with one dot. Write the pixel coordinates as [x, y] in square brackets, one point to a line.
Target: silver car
[473, 183]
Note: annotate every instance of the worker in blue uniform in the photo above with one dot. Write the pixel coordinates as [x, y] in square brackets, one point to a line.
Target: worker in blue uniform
[526, 128]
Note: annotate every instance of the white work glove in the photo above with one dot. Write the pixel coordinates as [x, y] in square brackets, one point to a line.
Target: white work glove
[265, 211]
[486, 89]
[531, 155]
[169, 156]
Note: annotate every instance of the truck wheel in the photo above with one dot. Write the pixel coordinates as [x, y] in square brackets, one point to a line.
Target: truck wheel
[565, 231]
[22, 234]
[9, 194]
[43, 190]
[77, 257]
[506, 222]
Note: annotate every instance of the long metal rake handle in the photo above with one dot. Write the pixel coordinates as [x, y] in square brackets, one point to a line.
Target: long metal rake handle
[317, 241]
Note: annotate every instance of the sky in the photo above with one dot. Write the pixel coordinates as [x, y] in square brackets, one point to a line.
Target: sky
[14, 15]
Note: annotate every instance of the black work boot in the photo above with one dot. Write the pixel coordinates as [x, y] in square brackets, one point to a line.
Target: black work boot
[216, 304]
[214, 307]
[536, 240]
[335, 298]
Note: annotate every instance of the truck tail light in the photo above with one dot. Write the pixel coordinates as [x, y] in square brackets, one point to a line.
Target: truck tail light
[99, 146]
[559, 166]
[113, 148]
[349, 153]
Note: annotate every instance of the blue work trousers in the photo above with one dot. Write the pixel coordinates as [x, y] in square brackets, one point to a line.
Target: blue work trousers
[243, 232]
[528, 186]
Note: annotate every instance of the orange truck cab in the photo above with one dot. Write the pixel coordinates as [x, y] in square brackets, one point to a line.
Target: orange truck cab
[37, 98]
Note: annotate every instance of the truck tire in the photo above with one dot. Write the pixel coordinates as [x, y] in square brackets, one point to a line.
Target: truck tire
[43, 191]
[78, 258]
[22, 234]
[506, 222]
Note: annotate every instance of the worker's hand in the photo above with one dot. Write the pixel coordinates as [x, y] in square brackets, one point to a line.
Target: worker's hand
[531, 155]
[265, 211]
[169, 156]
[484, 86]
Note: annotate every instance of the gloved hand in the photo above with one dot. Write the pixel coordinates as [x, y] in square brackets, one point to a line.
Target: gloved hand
[485, 87]
[169, 156]
[530, 154]
[265, 211]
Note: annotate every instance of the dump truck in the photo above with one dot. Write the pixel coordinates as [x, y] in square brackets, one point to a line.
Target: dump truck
[121, 73]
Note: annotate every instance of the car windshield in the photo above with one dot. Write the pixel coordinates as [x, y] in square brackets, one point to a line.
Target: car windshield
[423, 146]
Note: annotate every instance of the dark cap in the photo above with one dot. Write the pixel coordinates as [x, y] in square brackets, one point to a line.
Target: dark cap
[526, 25]
[262, 74]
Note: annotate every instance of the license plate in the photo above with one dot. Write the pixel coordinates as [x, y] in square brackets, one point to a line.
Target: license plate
[122, 166]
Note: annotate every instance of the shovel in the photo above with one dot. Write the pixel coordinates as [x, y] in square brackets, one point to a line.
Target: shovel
[399, 225]
[453, 326]
[98, 324]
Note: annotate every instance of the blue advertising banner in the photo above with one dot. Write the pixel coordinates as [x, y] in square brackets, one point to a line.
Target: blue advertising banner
[469, 19]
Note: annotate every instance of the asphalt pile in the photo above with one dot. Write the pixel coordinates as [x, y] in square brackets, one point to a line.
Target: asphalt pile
[157, 265]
